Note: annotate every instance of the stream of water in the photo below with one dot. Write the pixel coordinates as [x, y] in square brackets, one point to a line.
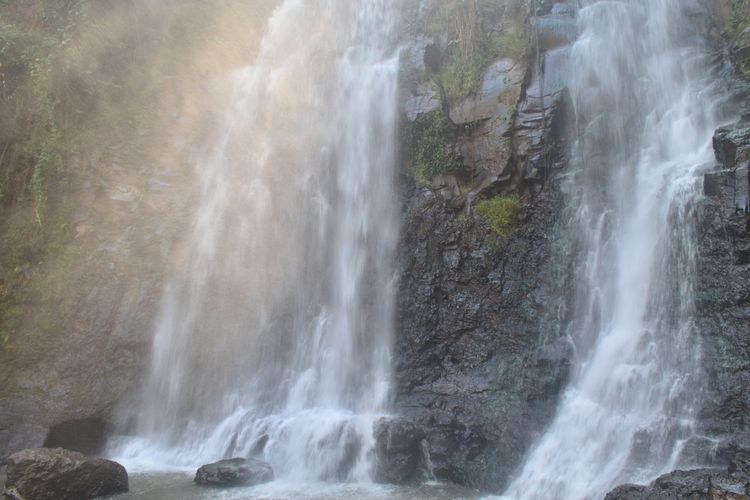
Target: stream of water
[274, 334]
[643, 100]
[275, 329]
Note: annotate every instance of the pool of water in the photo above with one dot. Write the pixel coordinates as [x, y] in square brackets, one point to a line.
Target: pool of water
[180, 486]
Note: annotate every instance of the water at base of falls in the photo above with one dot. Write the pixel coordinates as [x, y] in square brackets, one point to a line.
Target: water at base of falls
[274, 335]
[643, 100]
[179, 486]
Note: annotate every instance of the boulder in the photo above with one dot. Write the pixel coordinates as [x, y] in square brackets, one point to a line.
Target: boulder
[399, 452]
[731, 144]
[502, 82]
[234, 472]
[59, 474]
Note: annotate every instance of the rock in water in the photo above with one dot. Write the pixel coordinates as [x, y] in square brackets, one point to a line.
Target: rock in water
[58, 474]
[399, 457]
[234, 472]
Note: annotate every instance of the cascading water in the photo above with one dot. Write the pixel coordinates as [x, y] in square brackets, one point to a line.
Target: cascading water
[275, 330]
[641, 90]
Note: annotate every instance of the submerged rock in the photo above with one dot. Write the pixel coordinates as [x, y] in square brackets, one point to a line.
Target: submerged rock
[58, 474]
[234, 472]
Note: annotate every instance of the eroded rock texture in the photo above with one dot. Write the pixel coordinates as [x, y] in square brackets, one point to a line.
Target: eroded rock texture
[480, 361]
[724, 289]
[698, 484]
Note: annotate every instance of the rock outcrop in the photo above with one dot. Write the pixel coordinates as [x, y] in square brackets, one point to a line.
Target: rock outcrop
[699, 484]
[400, 454]
[480, 362]
[723, 290]
[234, 472]
[77, 342]
[58, 474]
[480, 358]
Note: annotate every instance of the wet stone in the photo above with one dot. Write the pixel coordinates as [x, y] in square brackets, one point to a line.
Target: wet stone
[58, 474]
[234, 472]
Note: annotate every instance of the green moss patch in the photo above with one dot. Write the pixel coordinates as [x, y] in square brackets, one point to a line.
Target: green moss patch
[501, 213]
[432, 147]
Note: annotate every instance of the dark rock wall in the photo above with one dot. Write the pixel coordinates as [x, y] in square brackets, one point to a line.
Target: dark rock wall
[480, 355]
[479, 359]
[723, 295]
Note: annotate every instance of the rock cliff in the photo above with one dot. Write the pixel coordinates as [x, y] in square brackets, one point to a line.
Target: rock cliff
[480, 356]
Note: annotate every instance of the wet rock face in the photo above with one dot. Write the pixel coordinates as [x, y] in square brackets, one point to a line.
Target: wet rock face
[234, 472]
[58, 474]
[479, 361]
[543, 117]
[479, 358]
[699, 484]
[400, 455]
[723, 290]
[732, 145]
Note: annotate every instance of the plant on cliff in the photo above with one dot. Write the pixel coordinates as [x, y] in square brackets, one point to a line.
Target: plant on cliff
[478, 33]
[739, 18]
[432, 147]
[500, 213]
[77, 77]
[29, 131]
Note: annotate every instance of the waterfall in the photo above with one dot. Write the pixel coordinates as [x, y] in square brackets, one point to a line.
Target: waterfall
[643, 100]
[274, 334]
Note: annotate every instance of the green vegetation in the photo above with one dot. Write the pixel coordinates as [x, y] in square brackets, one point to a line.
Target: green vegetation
[737, 29]
[32, 35]
[500, 212]
[476, 38]
[462, 76]
[71, 68]
[80, 80]
[432, 138]
[739, 18]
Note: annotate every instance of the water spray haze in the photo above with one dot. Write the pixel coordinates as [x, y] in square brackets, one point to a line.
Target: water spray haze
[275, 327]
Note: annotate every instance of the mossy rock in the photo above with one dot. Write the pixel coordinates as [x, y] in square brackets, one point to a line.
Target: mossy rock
[500, 213]
[433, 147]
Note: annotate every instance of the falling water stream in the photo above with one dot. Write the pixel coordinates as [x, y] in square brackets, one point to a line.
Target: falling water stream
[274, 334]
[275, 329]
[643, 100]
